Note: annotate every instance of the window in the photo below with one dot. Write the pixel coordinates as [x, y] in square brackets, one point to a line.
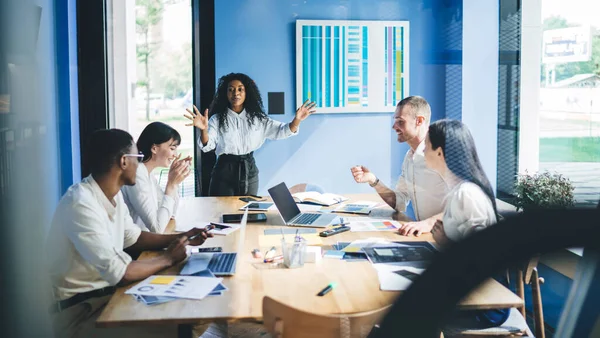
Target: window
[150, 70]
[569, 105]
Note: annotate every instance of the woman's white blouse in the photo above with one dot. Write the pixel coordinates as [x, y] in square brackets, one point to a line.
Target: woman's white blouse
[148, 205]
[468, 209]
[240, 138]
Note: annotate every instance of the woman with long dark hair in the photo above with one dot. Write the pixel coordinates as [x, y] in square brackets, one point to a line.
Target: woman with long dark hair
[470, 204]
[237, 127]
[150, 207]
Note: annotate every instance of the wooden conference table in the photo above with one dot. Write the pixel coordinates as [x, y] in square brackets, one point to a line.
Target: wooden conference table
[357, 282]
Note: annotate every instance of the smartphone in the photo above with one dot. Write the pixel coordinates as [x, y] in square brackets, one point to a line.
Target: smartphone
[251, 199]
[236, 218]
[213, 249]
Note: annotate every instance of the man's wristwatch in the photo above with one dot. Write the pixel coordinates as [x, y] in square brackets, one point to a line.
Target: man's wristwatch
[374, 184]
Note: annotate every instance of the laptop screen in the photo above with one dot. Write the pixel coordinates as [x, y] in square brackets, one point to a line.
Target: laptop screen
[284, 201]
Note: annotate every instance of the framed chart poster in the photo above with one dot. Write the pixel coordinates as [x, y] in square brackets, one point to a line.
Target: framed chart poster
[352, 66]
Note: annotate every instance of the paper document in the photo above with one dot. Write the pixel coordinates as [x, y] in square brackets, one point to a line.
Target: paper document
[359, 224]
[394, 278]
[358, 245]
[153, 300]
[359, 207]
[190, 287]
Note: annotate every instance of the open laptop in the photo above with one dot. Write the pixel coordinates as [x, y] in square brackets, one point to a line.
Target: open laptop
[290, 213]
[219, 263]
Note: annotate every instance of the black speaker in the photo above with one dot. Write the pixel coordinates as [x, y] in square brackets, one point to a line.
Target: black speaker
[276, 106]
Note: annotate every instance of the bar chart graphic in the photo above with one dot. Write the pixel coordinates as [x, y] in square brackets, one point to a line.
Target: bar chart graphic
[352, 66]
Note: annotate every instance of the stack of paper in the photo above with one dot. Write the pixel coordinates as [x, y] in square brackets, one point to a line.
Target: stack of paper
[161, 289]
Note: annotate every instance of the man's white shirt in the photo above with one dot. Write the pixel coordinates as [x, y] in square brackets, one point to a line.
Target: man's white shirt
[424, 187]
[84, 250]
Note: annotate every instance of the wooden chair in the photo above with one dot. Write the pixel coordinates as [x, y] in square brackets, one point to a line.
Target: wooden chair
[528, 275]
[283, 321]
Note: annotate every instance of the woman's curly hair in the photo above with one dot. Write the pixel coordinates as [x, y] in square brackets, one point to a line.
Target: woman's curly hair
[253, 102]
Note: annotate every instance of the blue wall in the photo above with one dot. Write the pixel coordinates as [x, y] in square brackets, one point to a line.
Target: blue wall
[67, 93]
[258, 38]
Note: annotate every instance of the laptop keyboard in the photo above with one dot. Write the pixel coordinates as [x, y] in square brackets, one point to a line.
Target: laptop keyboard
[306, 219]
[222, 263]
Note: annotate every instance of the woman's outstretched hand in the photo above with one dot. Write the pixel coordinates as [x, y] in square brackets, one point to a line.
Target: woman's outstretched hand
[198, 120]
[306, 109]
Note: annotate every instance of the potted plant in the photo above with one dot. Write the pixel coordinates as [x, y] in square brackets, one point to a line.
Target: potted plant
[543, 191]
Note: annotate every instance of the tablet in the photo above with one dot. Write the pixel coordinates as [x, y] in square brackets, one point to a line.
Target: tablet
[257, 206]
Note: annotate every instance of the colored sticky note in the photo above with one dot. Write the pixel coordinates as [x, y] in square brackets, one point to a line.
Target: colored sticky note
[163, 280]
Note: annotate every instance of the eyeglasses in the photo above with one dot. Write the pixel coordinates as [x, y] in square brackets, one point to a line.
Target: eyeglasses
[140, 157]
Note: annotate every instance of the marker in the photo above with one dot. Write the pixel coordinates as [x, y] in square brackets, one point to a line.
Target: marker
[327, 289]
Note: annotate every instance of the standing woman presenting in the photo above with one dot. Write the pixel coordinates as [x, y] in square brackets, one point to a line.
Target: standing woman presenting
[238, 126]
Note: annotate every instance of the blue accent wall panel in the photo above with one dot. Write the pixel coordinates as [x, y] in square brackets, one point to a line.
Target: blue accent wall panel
[327, 145]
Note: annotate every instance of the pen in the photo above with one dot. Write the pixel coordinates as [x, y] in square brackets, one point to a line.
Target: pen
[326, 289]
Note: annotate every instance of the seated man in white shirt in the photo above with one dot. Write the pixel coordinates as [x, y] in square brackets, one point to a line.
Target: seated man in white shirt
[423, 187]
[90, 232]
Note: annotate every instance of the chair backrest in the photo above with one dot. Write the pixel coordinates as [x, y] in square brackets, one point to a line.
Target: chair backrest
[283, 321]
[187, 188]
